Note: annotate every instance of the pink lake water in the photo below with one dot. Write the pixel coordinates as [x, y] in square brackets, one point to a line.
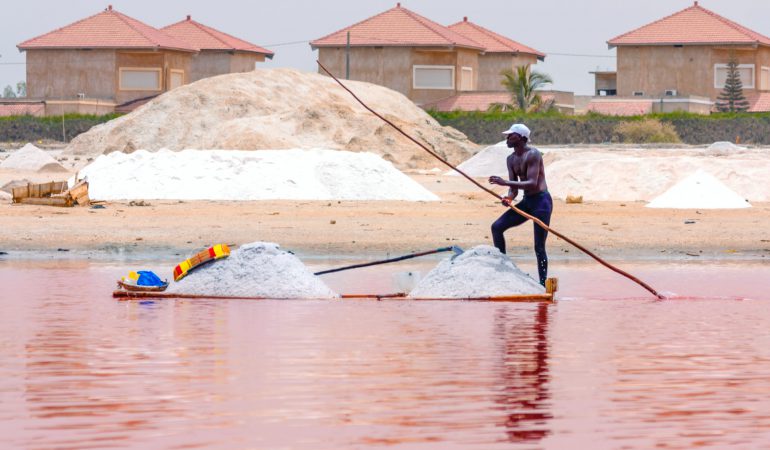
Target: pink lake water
[606, 366]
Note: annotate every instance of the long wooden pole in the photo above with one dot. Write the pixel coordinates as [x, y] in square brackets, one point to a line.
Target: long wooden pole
[493, 193]
[389, 260]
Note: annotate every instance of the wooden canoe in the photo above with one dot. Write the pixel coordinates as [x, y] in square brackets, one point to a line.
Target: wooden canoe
[127, 295]
[551, 286]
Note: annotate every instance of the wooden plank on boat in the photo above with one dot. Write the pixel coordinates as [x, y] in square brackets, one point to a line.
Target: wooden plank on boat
[140, 294]
[168, 295]
[551, 286]
[497, 298]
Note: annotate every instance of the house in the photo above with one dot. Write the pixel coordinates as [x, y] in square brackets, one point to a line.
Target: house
[424, 60]
[500, 53]
[680, 63]
[111, 62]
[219, 53]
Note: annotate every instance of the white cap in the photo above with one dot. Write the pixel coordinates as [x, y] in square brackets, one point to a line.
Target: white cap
[518, 128]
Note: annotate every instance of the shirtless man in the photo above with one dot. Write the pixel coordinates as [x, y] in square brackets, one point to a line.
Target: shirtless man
[525, 172]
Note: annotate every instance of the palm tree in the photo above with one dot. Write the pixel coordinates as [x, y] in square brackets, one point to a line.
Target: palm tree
[523, 84]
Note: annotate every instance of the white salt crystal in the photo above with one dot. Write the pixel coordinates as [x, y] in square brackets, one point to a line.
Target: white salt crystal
[700, 190]
[479, 272]
[294, 174]
[258, 269]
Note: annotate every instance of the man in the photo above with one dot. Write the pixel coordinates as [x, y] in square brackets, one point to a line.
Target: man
[526, 172]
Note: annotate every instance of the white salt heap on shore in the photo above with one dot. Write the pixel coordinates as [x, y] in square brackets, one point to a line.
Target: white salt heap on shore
[487, 162]
[258, 269]
[278, 109]
[33, 159]
[296, 174]
[643, 174]
[700, 190]
[479, 272]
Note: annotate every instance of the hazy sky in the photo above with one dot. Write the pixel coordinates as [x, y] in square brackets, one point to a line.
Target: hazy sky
[573, 34]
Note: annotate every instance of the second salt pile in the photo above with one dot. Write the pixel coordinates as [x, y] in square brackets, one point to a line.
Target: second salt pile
[33, 159]
[479, 272]
[258, 269]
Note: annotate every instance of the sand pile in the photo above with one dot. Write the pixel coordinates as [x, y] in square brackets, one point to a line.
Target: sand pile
[479, 272]
[295, 174]
[700, 190]
[32, 159]
[641, 175]
[258, 269]
[278, 109]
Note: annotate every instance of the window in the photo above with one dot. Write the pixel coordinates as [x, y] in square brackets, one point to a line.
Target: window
[140, 79]
[433, 77]
[764, 82]
[746, 72]
[176, 78]
[466, 79]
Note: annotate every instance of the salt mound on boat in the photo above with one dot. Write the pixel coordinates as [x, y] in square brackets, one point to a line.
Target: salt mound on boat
[479, 272]
[316, 174]
[33, 159]
[700, 190]
[725, 145]
[258, 269]
[278, 109]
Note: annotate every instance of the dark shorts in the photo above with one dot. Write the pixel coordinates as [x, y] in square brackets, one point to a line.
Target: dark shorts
[538, 205]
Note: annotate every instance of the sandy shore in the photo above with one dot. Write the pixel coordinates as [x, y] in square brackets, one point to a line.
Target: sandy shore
[613, 230]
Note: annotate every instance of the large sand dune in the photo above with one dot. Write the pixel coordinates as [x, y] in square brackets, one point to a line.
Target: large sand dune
[278, 109]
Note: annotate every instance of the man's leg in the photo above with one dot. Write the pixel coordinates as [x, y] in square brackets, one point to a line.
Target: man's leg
[542, 212]
[509, 219]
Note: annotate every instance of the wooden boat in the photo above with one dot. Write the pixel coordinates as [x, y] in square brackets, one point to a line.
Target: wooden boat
[551, 286]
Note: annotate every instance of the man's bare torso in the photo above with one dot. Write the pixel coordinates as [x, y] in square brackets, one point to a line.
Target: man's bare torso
[530, 161]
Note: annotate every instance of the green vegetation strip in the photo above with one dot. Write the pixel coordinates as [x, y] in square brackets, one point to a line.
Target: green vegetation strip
[57, 128]
[553, 128]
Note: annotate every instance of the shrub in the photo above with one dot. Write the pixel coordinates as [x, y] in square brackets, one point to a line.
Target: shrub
[646, 131]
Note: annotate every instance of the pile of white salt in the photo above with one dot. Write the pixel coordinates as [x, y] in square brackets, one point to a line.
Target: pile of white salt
[479, 272]
[33, 159]
[258, 269]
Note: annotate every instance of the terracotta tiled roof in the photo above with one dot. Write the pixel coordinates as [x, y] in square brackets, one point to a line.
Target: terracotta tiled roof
[760, 102]
[621, 107]
[397, 27]
[22, 109]
[693, 25]
[108, 29]
[207, 38]
[492, 42]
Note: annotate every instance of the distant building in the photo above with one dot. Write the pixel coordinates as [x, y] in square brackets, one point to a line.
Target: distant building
[111, 61]
[680, 63]
[500, 53]
[429, 63]
[219, 53]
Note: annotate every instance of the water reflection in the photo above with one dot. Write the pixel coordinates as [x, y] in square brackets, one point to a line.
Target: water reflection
[525, 396]
[81, 370]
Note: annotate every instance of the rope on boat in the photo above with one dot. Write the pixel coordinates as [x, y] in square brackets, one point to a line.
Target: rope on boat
[493, 193]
